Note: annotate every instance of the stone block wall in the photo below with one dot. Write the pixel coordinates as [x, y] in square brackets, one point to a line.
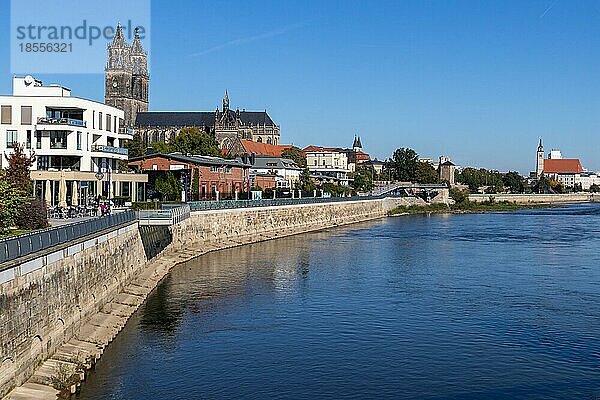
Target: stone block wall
[42, 309]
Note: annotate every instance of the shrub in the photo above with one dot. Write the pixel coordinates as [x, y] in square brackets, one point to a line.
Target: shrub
[32, 215]
[458, 196]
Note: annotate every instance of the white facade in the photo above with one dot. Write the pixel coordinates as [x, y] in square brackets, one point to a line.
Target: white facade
[328, 163]
[286, 171]
[69, 136]
[555, 154]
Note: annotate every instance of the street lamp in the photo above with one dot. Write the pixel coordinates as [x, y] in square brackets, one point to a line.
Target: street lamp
[100, 175]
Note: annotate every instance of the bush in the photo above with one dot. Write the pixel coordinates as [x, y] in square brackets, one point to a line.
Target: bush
[32, 215]
[458, 196]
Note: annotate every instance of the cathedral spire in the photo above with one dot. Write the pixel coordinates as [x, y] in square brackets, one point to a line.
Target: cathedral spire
[226, 101]
[119, 39]
[136, 46]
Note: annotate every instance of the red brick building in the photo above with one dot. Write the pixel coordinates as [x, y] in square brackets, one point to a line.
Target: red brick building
[201, 176]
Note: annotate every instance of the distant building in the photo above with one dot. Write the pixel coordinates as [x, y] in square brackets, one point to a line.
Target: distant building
[446, 170]
[568, 171]
[228, 126]
[376, 164]
[260, 149]
[356, 156]
[327, 164]
[273, 172]
[216, 177]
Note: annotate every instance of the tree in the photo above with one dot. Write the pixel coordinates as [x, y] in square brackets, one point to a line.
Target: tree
[12, 198]
[425, 173]
[542, 185]
[168, 187]
[363, 179]
[296, 155]
[19, 165]
[195, 141]
[333, 189]
[135, 146]
[403, 164]
[306, 183]
[594, 188]
[196, 185]
[557, 187]
[514, 181]
[459, 196]
[160, 147]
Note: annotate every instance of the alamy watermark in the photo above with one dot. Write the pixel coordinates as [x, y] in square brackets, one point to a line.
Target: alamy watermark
[73, 37]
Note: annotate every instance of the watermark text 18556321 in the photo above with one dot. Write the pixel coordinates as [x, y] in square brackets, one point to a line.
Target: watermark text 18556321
[45, 39]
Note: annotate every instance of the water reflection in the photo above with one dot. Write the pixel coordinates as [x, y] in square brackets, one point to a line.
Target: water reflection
[465, 306]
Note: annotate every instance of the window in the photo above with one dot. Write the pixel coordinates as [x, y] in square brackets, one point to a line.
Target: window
[11, 138]
[38, 139]
[58, 139]
[28, 143]
[214, 168]
[108, 121]
[94, 119]
[6, 115]
[100, 120]
[25, 115]
[78, 140]
[115, 125]
[227, 170]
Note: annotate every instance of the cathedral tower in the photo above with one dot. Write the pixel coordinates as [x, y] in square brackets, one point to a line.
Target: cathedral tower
[539, 165]
[126, 77]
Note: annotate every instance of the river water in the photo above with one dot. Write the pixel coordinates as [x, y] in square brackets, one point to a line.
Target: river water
[479, 306]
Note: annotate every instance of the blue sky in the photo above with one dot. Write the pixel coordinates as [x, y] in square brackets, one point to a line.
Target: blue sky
[478, 81]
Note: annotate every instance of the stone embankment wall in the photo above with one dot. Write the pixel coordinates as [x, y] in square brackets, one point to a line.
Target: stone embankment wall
[537, 198]
[255, 224]
[68, 310]
[41, 309]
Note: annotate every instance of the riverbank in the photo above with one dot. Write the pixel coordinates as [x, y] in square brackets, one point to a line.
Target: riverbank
[467, 207]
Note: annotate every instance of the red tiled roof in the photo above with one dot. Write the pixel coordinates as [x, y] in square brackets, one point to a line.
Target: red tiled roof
[318, 148]
[562, 166]
[263, 149]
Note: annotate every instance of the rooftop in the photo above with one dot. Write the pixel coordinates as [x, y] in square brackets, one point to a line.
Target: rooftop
[562, 166]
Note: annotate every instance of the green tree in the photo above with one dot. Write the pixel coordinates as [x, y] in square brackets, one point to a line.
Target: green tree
[514, 181]
[296, 155]
[594, 188]
[306, 183]
[12, 198]
[363, 179]
[195, 141]
[333, 189]
[542, 185]
[459, 196]
[196, 185]
[425, 173]
[403, 164]
[161, 147]
[168, 187]
[135, 146]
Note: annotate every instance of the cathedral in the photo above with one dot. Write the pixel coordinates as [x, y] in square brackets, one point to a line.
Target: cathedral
[126, 82]
[126, 78]
[227, 125]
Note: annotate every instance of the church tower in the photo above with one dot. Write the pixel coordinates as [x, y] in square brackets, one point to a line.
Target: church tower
[357, 145]
[539, 165]
[126, 77]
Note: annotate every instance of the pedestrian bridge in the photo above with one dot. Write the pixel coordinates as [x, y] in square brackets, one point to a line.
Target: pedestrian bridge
[426, 191]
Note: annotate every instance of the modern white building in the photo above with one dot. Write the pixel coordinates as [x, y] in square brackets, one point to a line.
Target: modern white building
[78, 143]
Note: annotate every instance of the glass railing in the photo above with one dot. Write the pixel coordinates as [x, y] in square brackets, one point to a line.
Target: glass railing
[61, 121]
[110, 149]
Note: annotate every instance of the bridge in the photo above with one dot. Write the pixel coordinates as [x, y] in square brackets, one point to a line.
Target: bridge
[404, 189]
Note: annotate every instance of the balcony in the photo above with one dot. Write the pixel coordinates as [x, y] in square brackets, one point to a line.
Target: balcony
[61, 121]
[126, 131]
[110, 149]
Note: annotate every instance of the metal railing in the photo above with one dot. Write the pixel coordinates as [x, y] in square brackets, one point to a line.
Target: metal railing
[110, 149]
[225, 204]
[61, 121]
[29, 243]
[166, 216]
